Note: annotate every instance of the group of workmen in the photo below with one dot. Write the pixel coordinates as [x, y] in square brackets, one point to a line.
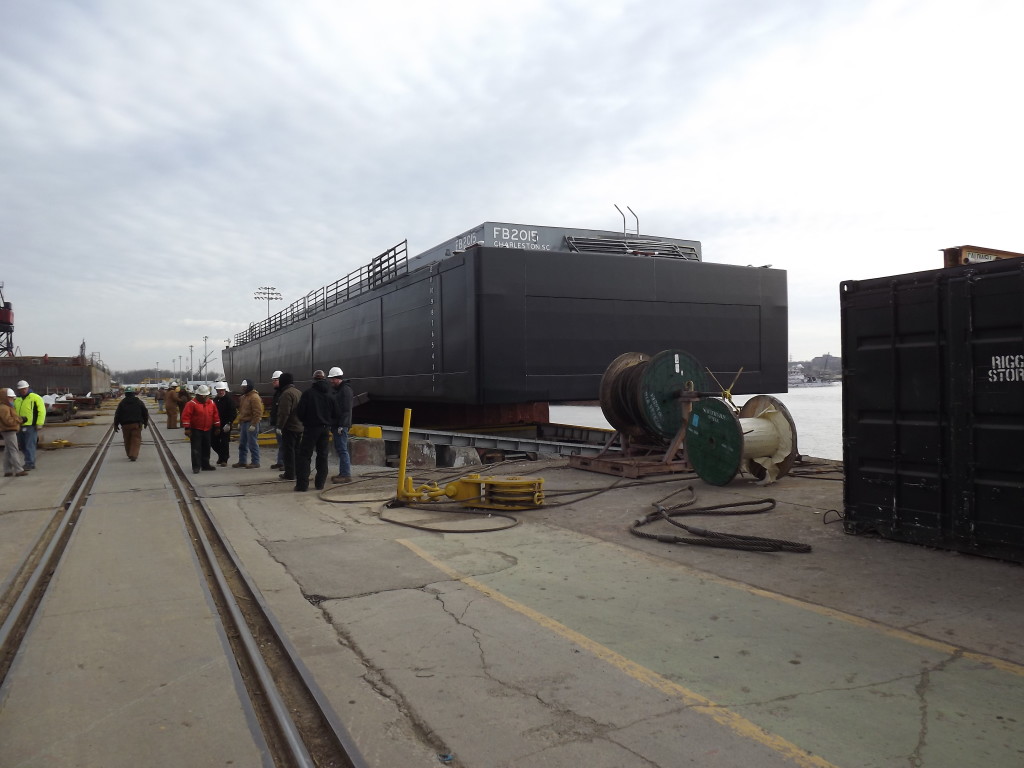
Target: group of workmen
[22, 416]
[305, 422]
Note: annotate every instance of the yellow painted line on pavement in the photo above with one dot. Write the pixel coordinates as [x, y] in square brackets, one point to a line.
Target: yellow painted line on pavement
[848, 618]
[695, 701]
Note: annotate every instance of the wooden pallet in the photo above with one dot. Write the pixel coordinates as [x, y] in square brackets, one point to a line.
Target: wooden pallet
[629, 467]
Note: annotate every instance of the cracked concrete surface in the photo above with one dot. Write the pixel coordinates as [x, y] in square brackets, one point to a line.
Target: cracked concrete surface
[843, 657]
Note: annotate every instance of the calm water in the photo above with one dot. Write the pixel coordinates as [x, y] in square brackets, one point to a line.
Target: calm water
[817, 413]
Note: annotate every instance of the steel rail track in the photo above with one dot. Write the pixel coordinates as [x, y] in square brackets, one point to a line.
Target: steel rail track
[278, 682]
[30, 581]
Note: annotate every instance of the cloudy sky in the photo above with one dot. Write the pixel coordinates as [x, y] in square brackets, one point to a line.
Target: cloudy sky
[160, 161]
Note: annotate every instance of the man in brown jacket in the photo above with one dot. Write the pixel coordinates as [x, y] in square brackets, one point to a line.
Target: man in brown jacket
[10, 423]
[250, 413]
[171, 404]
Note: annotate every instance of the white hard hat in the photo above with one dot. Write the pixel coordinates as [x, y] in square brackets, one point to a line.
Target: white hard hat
[9, 392]
[221, 385]
[203, 390]
[277, 375]
[22, 384]
[173, 384]
[335, 373]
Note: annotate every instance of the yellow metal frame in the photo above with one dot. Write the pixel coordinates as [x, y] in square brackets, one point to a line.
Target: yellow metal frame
[508, 493]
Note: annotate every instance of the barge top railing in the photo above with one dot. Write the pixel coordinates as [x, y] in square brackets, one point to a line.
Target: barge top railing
[389, 266]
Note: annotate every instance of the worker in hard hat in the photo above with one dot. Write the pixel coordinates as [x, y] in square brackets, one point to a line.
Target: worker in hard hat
[250, 413]
[159, 395]
[275, 382]
[32, 410]
[201, 420]
[317, 410]
[343, 394]
[221, 441]
[130, 418]
[10, 424]
[288, 425]
[171, 404]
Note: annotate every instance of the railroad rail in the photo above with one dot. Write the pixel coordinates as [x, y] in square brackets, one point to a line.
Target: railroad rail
[298, 726]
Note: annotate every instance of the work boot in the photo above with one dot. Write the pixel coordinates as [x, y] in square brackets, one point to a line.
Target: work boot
[252, 466]
[285, 477]
[209, 469]
[239, 465]
[20, 474]
[277, 466]
[341, 479]
[195, 470]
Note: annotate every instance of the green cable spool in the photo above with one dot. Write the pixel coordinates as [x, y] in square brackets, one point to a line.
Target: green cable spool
[714, 441]
[666, 374]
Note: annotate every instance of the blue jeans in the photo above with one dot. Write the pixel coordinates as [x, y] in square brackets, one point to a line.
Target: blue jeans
[247, 443]
[27, 439]
[341, 446]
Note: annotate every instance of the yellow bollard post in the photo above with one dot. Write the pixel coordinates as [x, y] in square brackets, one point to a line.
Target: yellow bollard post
[403, 455]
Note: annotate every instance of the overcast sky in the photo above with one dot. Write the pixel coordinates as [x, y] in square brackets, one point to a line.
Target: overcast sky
[160, 161]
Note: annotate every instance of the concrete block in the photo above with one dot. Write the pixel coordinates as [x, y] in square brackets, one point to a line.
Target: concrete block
[367, 450]
[421, 454]
[457, 456]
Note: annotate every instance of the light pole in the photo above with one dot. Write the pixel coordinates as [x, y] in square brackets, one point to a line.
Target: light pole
[190, 371]
[267, 293]
[204, 357]
[180, 371]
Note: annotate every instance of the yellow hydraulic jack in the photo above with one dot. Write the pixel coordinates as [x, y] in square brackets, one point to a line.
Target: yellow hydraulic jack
[500, 493]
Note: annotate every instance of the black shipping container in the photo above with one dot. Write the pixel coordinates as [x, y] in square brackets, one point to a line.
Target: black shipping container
[933, 407]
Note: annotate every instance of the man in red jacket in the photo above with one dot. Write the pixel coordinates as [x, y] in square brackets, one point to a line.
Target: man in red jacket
[199, 419]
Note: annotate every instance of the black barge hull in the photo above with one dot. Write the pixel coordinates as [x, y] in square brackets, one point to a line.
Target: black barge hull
[496, 326]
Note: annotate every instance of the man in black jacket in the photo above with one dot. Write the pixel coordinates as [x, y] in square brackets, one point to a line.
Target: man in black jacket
[221, 441]
[132, 417]
[317, 410]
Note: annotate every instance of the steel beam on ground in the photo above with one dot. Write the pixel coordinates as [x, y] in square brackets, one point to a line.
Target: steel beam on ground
[497, 442]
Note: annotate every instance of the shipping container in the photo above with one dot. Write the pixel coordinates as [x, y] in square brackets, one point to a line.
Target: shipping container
[933, 407]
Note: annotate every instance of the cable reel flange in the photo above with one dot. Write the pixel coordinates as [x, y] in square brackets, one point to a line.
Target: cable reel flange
[760, 439]
[714, 441]
[761, 463]
[615, 401]
[640, 394]
[668, 372]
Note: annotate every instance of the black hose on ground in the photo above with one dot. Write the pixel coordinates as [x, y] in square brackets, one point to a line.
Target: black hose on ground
[703, 537]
